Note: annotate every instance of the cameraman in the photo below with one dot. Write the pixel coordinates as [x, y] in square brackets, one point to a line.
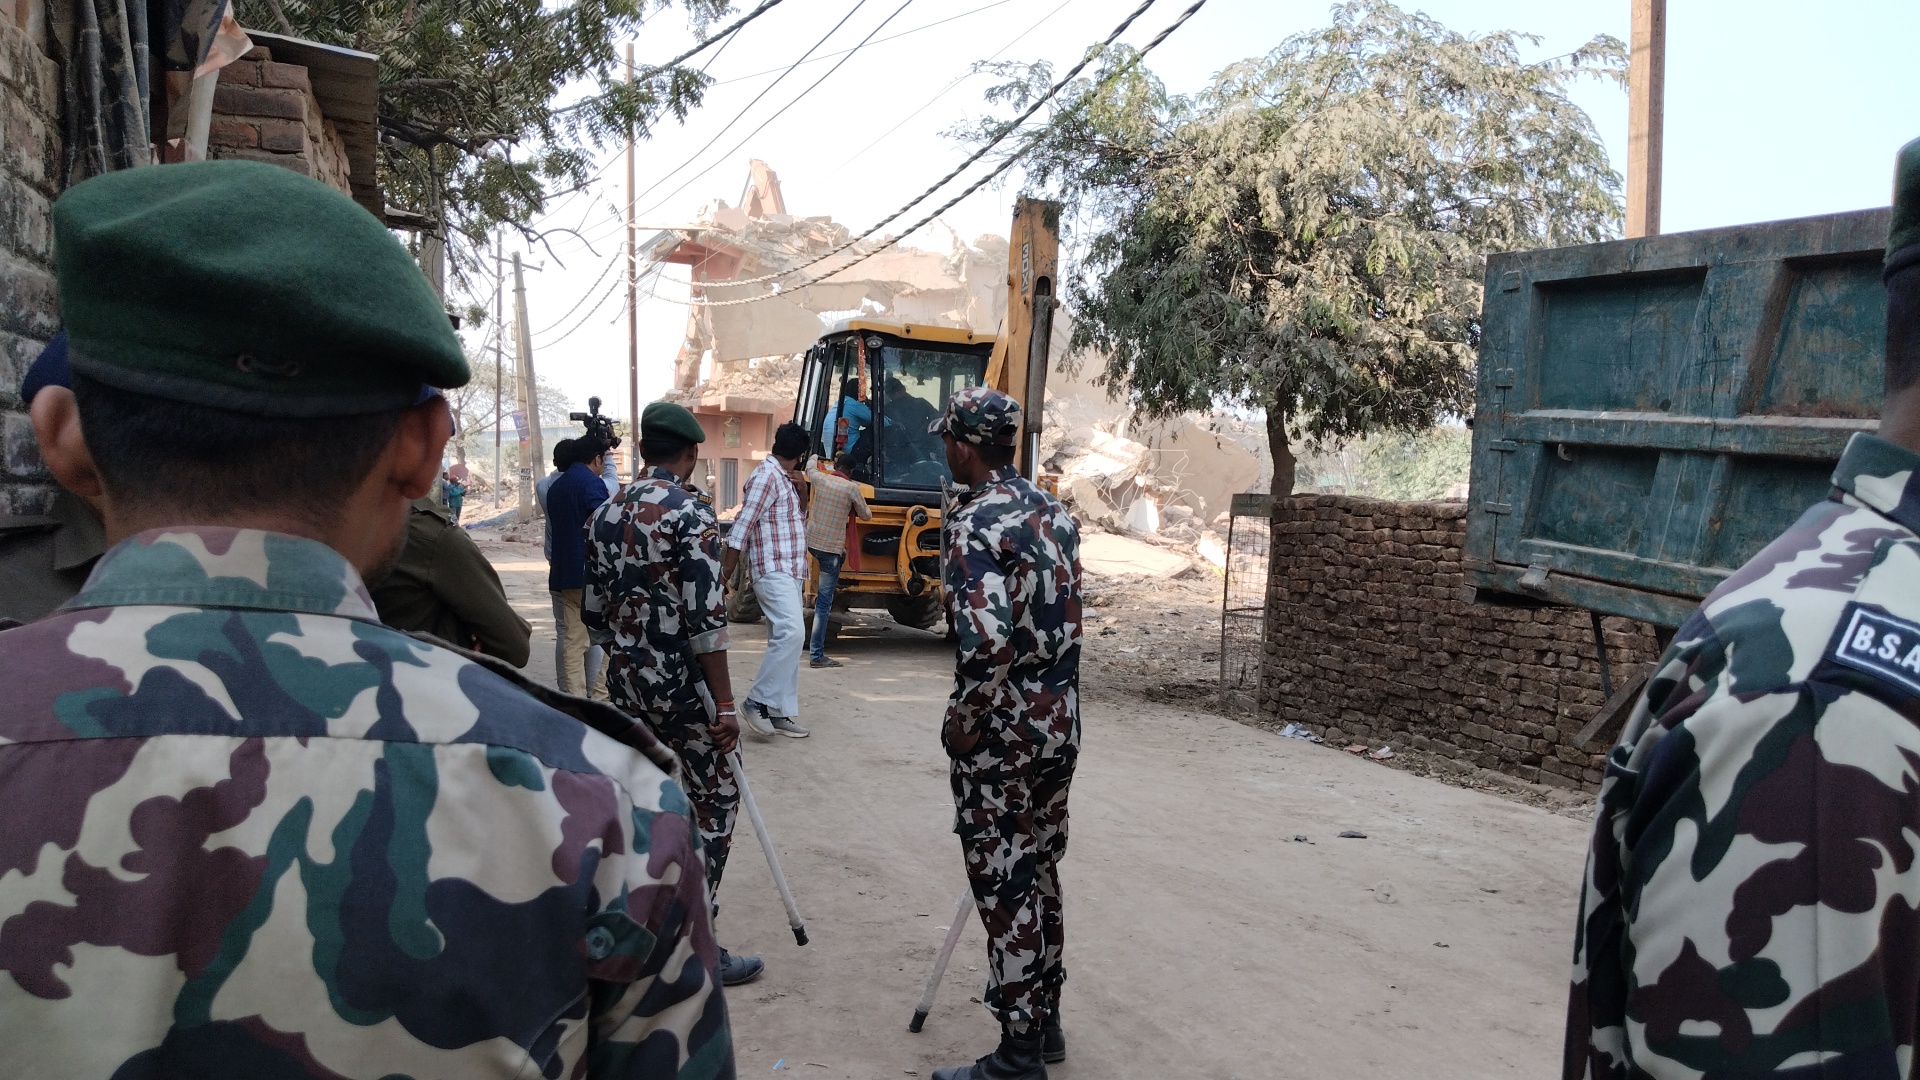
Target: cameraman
[575, 494]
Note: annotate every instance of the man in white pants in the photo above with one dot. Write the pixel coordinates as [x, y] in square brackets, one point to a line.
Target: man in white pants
[772, 529]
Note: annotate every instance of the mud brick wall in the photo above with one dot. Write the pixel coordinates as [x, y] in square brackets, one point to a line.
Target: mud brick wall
[266, 111]
[29, 310]
[1369, 640]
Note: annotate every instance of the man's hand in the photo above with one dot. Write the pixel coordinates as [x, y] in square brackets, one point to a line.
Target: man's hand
[729, 560]
[725, 730]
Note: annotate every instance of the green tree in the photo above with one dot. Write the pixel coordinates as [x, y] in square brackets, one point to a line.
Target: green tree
[1308, 235]
[470, 132]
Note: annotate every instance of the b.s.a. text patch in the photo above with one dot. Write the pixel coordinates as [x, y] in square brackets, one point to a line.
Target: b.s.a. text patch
[1881, 645]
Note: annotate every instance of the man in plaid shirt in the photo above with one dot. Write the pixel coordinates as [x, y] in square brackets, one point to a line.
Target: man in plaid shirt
[772, 528]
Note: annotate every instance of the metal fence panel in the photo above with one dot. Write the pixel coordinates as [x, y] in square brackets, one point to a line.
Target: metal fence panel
[1243, 607]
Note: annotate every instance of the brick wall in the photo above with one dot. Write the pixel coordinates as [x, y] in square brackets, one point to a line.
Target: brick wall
[29, 311]
[1369, 641]
[265, 111]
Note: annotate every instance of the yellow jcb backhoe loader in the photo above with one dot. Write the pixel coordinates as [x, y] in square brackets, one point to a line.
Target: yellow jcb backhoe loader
[870, 388]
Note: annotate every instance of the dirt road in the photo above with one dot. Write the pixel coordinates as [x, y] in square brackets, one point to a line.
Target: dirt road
[1218, 926]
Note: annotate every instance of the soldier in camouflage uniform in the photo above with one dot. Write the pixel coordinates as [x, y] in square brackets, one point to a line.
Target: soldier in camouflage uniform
[248, 830]
[653, 600]
[1751, 903]
[1012, 731]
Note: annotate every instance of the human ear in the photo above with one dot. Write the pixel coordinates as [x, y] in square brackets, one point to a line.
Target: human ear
[63, 445]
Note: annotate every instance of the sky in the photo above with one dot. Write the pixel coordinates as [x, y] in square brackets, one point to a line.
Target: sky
[1773, 110]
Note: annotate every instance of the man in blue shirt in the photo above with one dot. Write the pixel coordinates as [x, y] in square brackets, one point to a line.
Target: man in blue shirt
[858, 415]
[576, 493]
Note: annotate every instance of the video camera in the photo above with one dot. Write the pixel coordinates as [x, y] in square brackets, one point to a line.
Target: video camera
[599, 428]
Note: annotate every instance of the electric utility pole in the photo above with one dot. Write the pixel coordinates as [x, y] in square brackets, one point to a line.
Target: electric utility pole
[633, 314]
[530, 443]
[1646, 110]
[499, 368]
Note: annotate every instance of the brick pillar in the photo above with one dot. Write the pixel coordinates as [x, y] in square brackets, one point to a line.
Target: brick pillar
[266, 111]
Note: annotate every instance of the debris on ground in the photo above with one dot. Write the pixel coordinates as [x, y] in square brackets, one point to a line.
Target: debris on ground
[1353, 834]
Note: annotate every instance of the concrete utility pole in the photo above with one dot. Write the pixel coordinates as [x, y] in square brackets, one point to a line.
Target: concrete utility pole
[1646, 109]
[499, 365]
[531, 449]
[633, 314]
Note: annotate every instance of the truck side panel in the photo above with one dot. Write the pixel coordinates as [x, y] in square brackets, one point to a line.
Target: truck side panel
[1650, 412]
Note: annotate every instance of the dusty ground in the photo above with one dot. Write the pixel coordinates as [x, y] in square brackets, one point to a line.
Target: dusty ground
[1217, 924]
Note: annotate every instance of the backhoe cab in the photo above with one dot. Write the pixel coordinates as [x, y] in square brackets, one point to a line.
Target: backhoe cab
[869, 391]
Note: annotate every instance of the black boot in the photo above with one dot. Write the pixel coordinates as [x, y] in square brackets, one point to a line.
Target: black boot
[1017, 1058]
[1053, 1041]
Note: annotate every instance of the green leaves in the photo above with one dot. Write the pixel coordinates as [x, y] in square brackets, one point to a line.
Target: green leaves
[1309, 233]
[469, 128]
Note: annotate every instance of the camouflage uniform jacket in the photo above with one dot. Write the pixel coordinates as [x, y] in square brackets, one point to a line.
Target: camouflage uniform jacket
[249, 831]
[1012, 575]
[653, 592]
[1752, 897]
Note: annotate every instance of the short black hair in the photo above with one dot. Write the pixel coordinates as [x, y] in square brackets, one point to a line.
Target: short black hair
[659, 448]
[995, 457]
[1903, 329]
[563, 454]
[850, 388]
[790, 440]
[209, 461]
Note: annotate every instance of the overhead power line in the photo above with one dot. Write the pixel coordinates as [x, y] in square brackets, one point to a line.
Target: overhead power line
[882, 137]
[998, 137]
[763, 124]
[1011, 159]
[741, 115]
[880, 41]
[601, 303]
[725, 33]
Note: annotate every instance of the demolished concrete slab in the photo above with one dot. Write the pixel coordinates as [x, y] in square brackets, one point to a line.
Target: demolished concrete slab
[1110, 555]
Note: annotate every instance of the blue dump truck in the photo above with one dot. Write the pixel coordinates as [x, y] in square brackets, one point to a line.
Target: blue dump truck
[1651, 412]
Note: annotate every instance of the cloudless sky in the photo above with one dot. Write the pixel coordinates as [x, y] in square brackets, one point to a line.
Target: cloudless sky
[1774, 109]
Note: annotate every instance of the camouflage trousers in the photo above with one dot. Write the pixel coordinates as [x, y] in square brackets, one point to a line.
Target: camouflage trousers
[1013, 832]
[708, 778]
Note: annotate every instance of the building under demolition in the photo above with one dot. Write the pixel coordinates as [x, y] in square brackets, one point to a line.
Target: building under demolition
[738, 367]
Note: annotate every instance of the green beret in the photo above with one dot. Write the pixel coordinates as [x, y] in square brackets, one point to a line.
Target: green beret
[245, 286]
[664, 419]
[1903, 239]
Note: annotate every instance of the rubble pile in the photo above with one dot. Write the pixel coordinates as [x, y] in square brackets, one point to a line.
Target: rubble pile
[766, 378]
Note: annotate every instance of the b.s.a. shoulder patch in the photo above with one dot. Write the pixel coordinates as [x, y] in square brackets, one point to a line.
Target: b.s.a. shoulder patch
[1879, 644]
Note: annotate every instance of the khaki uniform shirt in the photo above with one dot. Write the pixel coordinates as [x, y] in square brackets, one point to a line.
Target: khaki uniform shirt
[45, 558]
[444, 586]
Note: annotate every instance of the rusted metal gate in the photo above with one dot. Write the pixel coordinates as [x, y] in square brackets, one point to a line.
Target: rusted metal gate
[1243, 607]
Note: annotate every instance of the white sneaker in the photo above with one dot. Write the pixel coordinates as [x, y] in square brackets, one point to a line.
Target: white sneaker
[785, 726]
[757, 717]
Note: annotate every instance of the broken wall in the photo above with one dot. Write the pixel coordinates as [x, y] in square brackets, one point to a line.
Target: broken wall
[1369, 641]
[962, 287]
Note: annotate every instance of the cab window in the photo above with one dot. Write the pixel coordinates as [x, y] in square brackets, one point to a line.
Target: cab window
[913, 388]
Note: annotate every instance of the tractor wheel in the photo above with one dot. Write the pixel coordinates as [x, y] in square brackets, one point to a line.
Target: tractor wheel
[920, 612]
